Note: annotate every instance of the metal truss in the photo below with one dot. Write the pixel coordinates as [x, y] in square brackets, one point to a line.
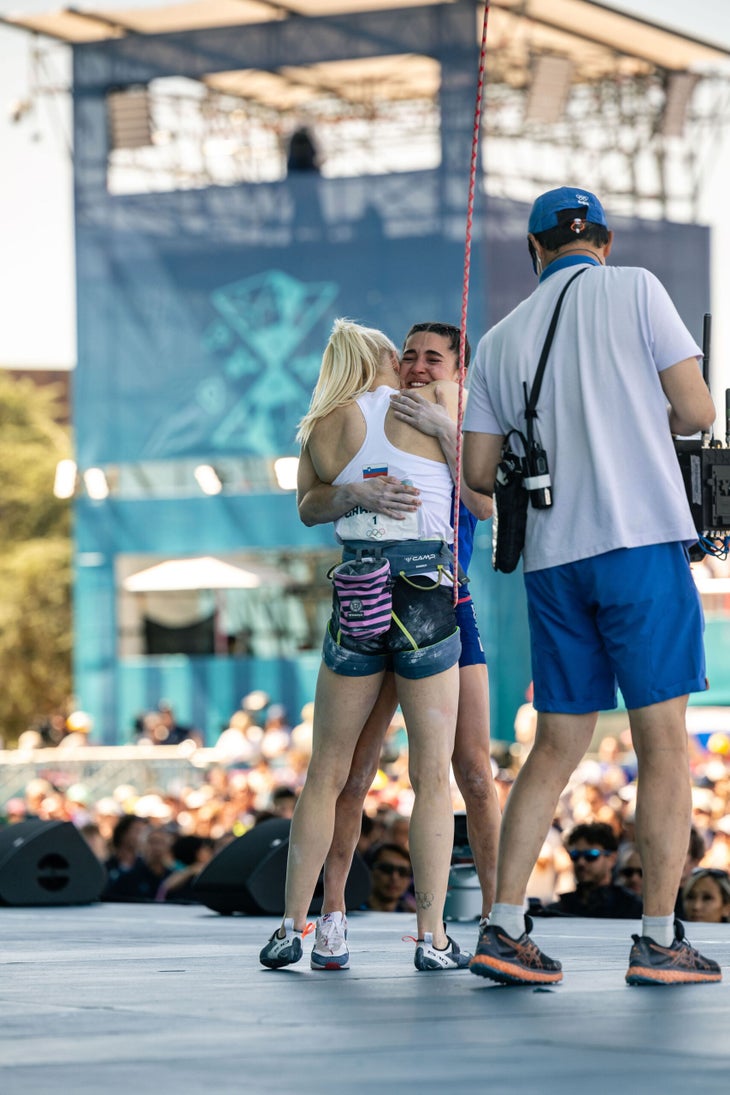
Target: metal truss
[612, 132]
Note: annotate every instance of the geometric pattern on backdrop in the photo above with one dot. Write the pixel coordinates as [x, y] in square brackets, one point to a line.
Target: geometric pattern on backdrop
[263, 321]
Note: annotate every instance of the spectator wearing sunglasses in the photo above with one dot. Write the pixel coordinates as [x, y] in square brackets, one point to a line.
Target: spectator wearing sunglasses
[629, 873]
[392, 877]
[592, 848]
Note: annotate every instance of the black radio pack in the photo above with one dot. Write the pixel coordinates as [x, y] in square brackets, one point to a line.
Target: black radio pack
[705, 467]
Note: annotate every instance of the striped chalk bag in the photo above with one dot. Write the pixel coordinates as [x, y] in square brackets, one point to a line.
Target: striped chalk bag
[364, 595]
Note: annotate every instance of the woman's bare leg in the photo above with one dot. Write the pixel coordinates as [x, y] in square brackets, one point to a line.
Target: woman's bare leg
[473, 774]
[429, 707]
[348, 815]
[341, 706]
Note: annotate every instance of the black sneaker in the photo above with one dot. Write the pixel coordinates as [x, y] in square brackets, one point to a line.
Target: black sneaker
[679, 964]
[284, 950]
[513, 961]
[427, 957]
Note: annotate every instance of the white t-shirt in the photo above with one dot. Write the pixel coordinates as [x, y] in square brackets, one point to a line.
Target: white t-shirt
[601, 414]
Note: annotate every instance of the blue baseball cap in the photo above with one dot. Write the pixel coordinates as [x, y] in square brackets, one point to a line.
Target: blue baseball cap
[545, 213]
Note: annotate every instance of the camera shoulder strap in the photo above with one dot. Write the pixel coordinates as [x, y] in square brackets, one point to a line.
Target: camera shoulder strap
[531, 402]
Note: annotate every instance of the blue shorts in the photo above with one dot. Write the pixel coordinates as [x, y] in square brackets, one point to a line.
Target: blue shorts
[423, 638]
[630, 618]
[472, 651]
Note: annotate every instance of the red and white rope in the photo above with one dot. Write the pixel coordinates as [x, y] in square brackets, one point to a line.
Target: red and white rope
[465, 287]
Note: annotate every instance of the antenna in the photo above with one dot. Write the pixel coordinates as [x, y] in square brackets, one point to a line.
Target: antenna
[707, 435]
[706, 346]
[727, 418]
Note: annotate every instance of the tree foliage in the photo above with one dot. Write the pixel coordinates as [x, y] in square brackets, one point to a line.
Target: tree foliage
[35, 558]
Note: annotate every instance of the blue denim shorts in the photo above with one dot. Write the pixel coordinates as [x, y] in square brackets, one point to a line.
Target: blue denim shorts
[629, 619]
[422, 640]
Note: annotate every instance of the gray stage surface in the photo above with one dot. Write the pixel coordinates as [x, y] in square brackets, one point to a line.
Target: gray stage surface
[106, 999]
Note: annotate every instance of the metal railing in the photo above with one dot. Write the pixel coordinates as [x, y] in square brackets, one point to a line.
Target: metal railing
[102, 768]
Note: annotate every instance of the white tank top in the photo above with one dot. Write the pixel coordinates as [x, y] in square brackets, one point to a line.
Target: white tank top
[432, 519]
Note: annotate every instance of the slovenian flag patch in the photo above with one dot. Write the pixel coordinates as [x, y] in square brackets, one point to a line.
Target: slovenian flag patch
[374, 470]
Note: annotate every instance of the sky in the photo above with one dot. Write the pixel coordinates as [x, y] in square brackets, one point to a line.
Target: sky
[36, 219]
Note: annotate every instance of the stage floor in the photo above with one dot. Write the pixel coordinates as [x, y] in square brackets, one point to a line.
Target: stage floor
[105, 999]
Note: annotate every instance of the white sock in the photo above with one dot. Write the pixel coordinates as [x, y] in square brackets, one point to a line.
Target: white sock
[511, 918]
[659, 928]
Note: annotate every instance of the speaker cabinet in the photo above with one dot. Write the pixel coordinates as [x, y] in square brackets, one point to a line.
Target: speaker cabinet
[47, 863]
[249, 875]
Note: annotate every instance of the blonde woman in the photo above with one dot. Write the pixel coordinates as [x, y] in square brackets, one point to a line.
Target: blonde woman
[350, 434]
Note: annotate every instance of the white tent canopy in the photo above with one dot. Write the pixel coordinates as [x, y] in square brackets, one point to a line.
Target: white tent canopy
[205, 573]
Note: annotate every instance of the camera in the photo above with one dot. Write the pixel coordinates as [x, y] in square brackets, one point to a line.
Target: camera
[706, 474]
[537, 481]
[705, 467]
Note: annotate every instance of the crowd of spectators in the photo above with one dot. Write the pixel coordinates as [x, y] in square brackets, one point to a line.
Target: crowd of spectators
[155, 840]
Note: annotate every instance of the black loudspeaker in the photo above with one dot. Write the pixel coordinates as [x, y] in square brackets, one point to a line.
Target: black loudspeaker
[249, 875]
[47, 863]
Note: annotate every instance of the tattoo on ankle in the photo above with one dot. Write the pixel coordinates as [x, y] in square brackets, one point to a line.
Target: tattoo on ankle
[424, 900]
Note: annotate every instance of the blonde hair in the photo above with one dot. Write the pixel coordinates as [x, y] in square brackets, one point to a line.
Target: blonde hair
[350, 362]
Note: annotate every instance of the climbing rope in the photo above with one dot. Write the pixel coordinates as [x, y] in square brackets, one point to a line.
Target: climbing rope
[465, 288]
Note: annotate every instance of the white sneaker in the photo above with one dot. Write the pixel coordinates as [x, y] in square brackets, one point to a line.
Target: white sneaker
[330, 943]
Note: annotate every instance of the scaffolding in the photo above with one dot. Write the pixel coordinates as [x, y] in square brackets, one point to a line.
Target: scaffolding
[574, 89]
